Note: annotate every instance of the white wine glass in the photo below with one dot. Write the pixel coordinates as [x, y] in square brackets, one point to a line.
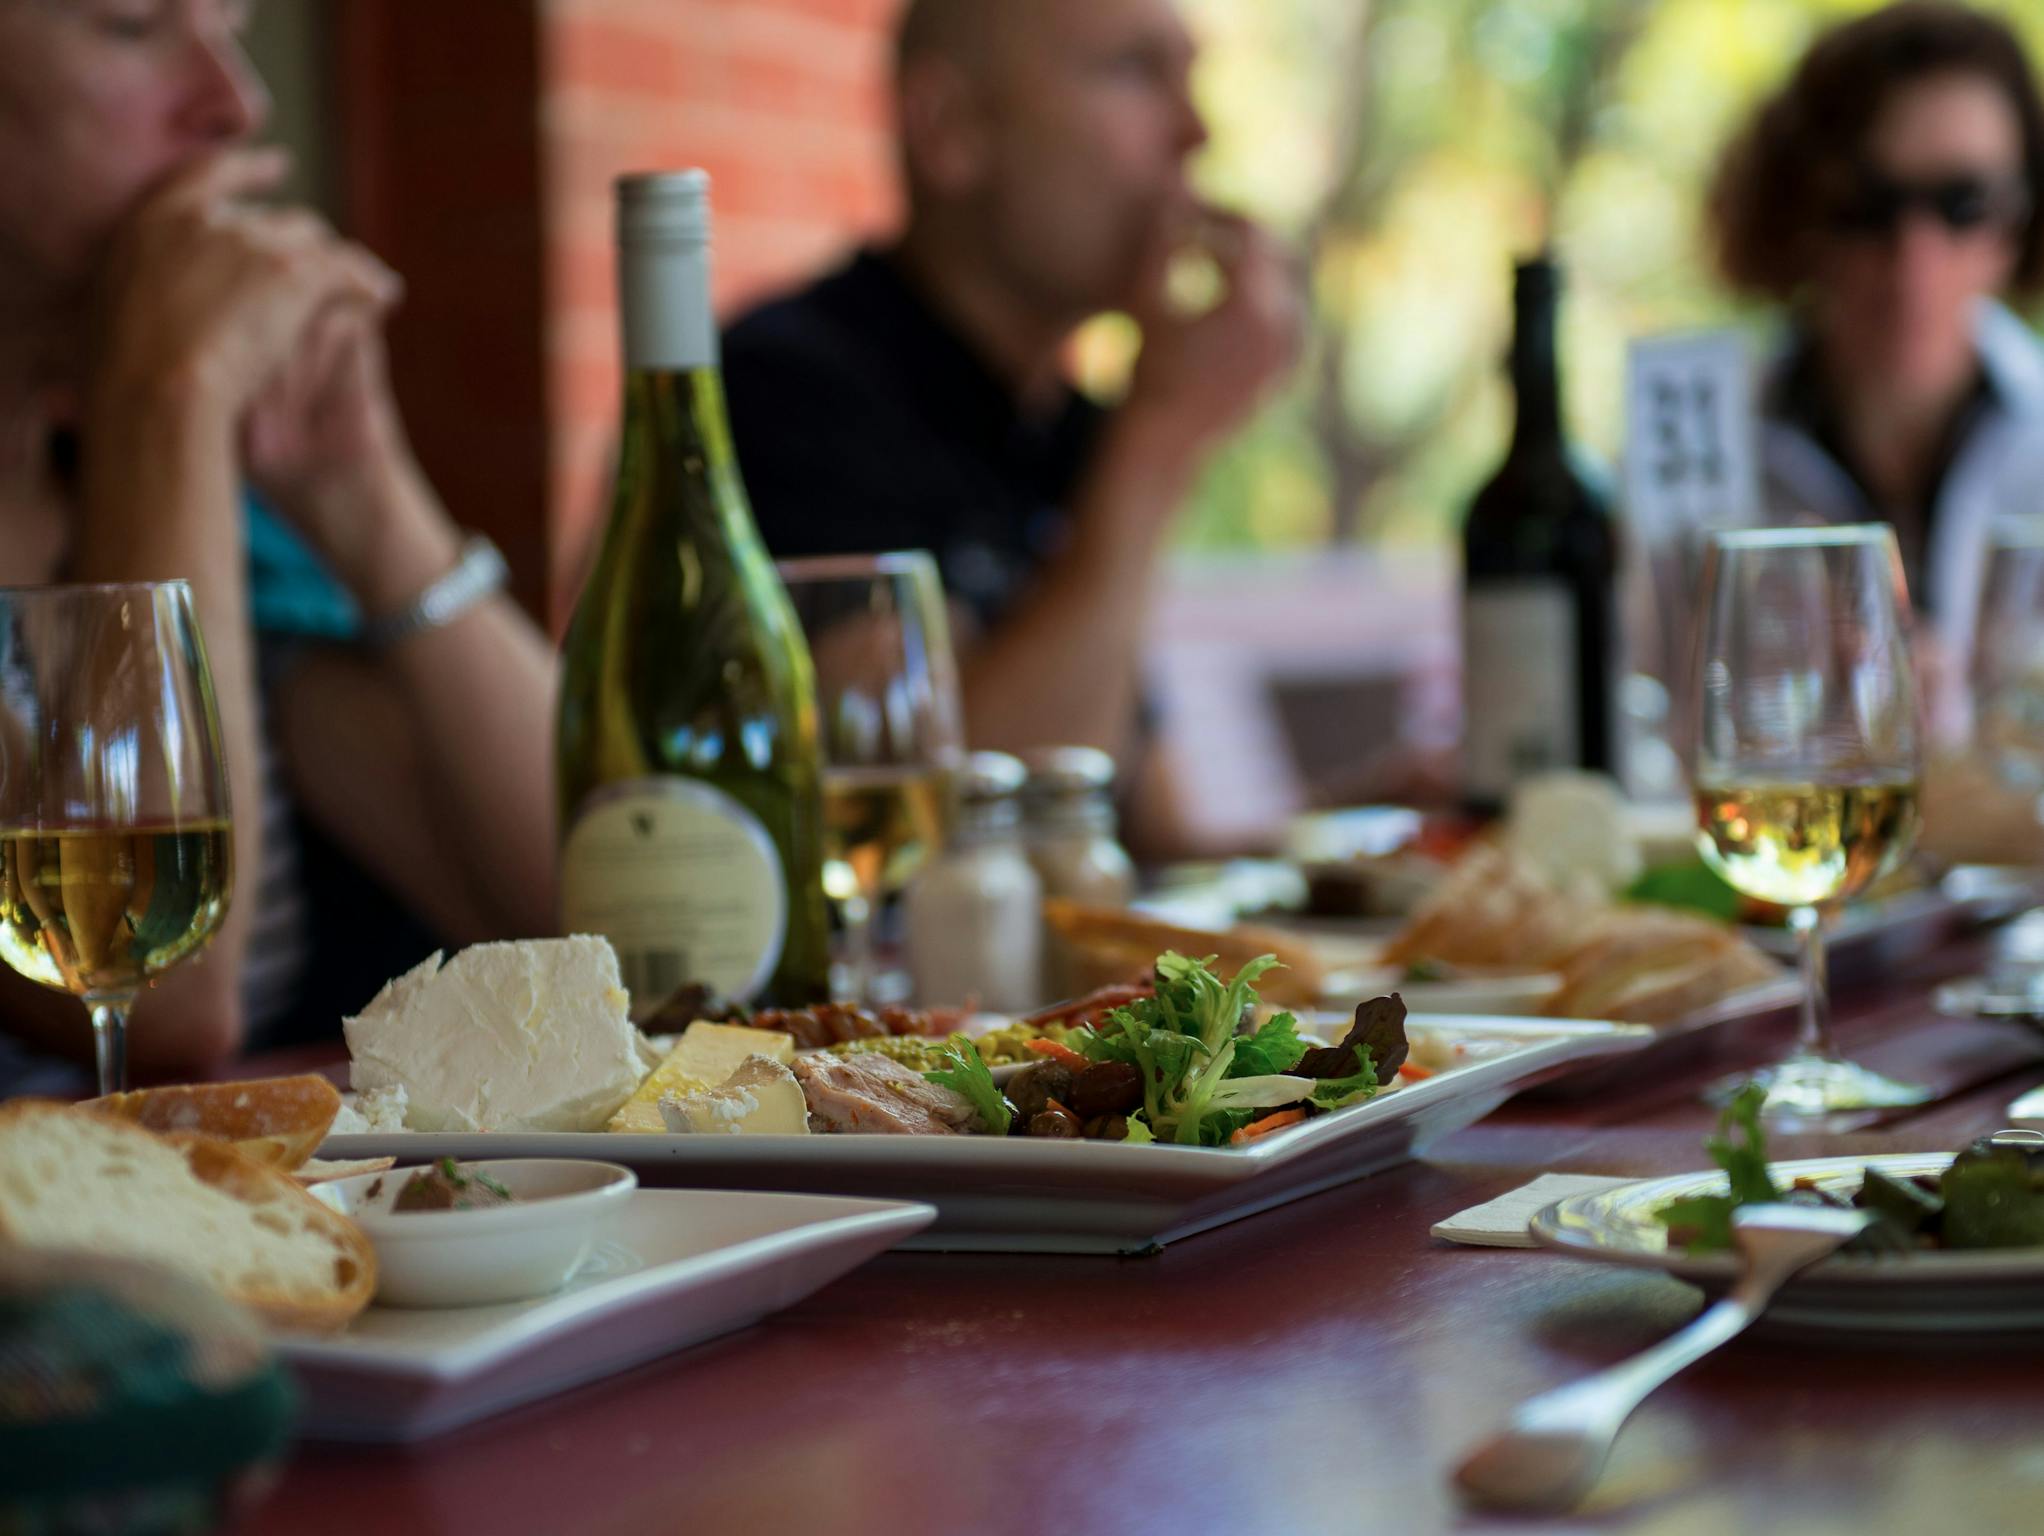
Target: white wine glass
[892, 729]
[2008, 660]
[116, 854]
[1808, 760]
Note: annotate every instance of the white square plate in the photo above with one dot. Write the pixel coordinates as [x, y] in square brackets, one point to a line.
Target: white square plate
[1021, 1194]
[676, 1268]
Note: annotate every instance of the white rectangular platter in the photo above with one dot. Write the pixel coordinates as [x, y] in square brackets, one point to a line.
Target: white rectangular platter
[1025, 1195]
[677, 1268]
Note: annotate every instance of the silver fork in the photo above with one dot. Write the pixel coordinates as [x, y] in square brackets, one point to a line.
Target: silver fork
[1549, 1455]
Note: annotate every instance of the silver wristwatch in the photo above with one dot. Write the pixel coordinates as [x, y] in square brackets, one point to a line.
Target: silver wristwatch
[479, 572]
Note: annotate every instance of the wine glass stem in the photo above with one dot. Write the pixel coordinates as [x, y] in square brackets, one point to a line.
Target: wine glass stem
[110, 1041]
[1813, 1036]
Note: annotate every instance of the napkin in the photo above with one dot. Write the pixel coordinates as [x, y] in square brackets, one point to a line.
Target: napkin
[1501, 1223]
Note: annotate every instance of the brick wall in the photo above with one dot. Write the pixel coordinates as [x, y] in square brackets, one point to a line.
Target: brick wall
[782, 101]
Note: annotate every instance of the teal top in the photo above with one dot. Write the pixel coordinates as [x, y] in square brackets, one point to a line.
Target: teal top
[290, 591]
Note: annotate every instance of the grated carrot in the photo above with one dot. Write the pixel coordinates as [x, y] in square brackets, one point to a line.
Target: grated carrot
[1266, 1125]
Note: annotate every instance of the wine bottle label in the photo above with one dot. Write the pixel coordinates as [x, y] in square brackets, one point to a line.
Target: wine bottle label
[1520, 711]
[685, 883]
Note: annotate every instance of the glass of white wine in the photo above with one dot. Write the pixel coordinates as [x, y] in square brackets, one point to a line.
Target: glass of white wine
[2008, 660]
[116, 854]
[1808, 761]
[892, 729]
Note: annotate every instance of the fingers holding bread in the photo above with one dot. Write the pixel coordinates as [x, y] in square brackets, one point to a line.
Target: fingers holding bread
[84, 1179]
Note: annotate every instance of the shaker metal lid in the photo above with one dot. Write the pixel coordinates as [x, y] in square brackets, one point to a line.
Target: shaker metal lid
[992, 776]
[1055, 772]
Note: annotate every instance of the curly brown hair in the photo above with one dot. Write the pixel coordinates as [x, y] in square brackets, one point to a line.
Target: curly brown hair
[1780, 173]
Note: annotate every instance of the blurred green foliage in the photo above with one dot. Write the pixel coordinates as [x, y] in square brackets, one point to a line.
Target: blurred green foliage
[1413, 149]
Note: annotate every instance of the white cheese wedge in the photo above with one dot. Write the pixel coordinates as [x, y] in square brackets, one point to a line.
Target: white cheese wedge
[531, 1036]
[712, 1052]
[761, 1098]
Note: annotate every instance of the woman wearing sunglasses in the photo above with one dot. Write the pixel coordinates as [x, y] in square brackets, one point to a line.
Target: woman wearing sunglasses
[1889, 196]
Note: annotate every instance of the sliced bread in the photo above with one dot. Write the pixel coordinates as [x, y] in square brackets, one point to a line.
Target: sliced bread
[276, 1120]
[80, 1179]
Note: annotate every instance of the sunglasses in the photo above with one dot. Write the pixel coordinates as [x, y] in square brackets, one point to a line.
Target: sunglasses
[1963, 204]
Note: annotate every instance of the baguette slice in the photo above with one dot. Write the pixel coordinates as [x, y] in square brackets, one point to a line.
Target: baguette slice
[1108, 945]
[89, 1181]
[1648, 965]
[276, 1120]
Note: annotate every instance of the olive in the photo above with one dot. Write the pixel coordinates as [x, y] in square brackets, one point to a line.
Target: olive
[1106, 1088]
[1055, 1121]
[1032, 1089]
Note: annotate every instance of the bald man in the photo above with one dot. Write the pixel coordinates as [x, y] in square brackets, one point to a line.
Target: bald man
[917, 399]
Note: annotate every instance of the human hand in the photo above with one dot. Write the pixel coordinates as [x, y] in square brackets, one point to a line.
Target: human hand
[322, 441]
[1201, 376]
[205, 297]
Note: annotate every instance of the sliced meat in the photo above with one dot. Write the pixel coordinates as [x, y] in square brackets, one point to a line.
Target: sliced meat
[870, 1095]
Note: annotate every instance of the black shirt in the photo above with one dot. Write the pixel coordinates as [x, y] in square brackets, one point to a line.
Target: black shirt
[864, 423]
[1798, 397]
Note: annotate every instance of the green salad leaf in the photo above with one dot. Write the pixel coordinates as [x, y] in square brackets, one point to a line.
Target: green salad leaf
[1202, 1081]
[1703, 1223]
[1689, 884]
[1274, 1048]
[967, 1073]
[1334, 1092]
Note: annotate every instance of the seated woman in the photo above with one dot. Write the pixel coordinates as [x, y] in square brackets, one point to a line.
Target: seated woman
[1889, 195]
[167, 342]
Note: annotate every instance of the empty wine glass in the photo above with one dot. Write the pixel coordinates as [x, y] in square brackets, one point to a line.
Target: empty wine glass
[1808, 760]
[892, 727]
[116, 852]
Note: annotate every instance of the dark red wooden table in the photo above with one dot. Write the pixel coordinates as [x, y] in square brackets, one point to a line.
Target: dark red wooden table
[1315, 1369]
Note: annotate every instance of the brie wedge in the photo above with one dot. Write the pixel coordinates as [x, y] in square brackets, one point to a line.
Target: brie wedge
[530, 1036]
[761, 1098]
[706, 1056]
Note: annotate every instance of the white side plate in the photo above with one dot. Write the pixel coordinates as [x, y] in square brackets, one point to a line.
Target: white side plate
[1983, 1291]
[676, 1269]
[1020, 1194]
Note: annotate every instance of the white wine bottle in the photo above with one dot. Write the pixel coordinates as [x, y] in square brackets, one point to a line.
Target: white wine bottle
[688, 766]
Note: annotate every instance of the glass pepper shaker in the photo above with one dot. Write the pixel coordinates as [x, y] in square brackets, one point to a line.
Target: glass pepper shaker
[1073, 840]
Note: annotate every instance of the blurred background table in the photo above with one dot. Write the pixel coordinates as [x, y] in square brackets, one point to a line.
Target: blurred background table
[1315, 1369]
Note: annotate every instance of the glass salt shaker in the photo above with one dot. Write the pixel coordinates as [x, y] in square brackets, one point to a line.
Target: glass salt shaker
[975, 913]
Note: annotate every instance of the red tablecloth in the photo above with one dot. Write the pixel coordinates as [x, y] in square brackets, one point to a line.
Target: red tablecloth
[1314, 1369]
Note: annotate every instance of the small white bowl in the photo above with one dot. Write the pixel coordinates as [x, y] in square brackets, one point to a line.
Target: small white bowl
[503, 1253]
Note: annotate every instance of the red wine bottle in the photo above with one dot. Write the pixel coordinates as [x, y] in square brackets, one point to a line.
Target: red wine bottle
[1539, 585]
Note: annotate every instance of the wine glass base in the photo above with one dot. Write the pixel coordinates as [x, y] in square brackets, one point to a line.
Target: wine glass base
[1811, 1092]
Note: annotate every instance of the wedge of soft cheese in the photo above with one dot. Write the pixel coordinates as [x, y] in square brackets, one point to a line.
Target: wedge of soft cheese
[531, 1036]
[761, 1098]
[705, 1055]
